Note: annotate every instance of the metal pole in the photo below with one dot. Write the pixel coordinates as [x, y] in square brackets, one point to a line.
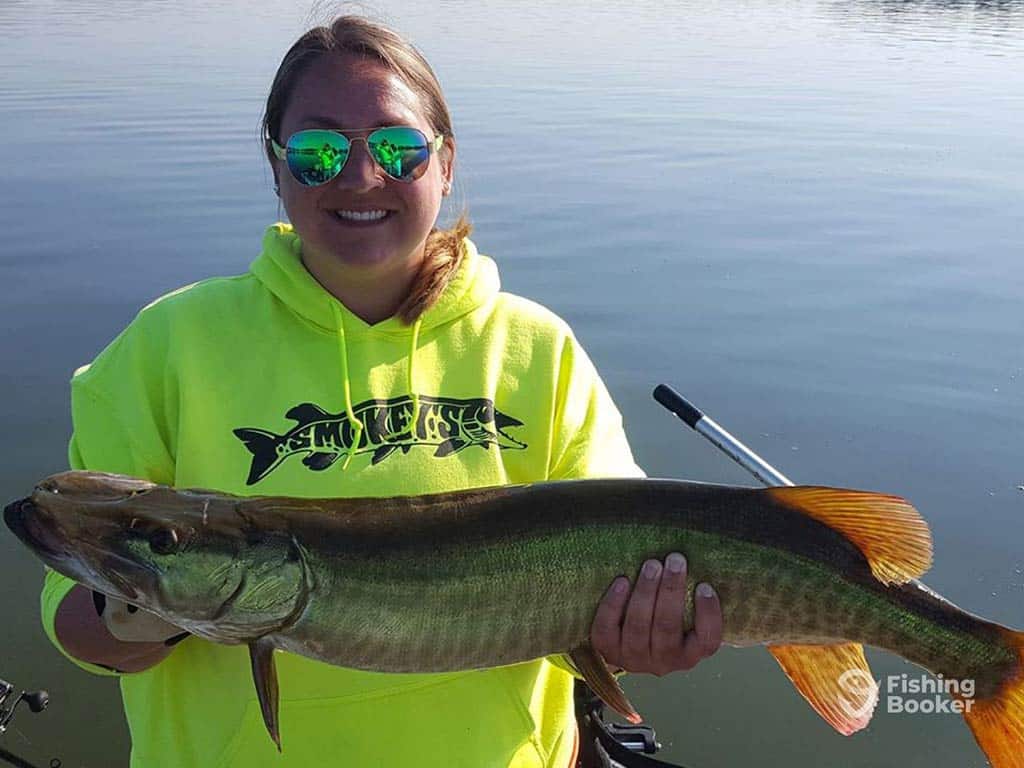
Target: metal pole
[704, 425]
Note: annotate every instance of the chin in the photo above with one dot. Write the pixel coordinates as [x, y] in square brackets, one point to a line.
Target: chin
[368, 253]
[371, 259]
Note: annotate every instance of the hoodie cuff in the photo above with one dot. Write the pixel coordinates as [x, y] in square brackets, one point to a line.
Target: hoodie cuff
[55, 588]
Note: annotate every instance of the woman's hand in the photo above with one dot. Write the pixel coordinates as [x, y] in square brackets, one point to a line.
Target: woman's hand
[643, 631]
[131, 624]
[83, 631]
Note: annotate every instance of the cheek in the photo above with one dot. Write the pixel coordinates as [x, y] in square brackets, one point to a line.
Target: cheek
[301, 204]
[426, 198]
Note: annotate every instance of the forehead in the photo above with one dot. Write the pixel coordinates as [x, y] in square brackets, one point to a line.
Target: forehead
[350, 91]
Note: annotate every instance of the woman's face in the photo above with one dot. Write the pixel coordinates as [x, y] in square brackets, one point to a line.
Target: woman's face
[349, 91]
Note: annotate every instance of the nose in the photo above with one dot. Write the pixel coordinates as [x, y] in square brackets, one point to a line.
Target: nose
[360, 172]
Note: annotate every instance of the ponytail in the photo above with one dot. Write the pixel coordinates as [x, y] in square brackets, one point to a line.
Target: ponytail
[441, 261]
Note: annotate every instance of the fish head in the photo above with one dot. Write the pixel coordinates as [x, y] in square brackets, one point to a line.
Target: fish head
[189, 556]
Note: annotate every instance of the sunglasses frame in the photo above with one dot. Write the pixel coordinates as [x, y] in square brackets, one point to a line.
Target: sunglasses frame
[433, 146]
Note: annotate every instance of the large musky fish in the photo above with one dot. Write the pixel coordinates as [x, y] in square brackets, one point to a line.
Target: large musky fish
[494, 576]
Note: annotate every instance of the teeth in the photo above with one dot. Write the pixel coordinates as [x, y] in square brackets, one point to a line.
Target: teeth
[361, 215]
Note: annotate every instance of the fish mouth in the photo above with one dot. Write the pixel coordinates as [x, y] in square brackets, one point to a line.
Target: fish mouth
[93, 566]
[24, 519]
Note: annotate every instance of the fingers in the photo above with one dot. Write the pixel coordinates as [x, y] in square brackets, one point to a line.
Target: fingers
[642, 631]
[667, 627]
[708, 619]
[128, 623]
[636, 627]
[706, 636]
[606, 630]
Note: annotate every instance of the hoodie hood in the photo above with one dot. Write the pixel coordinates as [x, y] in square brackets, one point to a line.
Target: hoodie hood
[279, 267]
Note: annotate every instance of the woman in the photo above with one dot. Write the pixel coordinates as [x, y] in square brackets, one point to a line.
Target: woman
[365, 353]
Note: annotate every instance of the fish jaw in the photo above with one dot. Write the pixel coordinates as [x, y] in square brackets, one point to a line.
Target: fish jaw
[42, 532]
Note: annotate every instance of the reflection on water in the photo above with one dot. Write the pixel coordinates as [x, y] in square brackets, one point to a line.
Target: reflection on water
[1002, 11]
[993, 26]
[804, 215]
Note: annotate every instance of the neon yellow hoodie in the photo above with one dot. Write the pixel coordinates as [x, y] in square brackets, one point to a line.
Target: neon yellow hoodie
[251, 385]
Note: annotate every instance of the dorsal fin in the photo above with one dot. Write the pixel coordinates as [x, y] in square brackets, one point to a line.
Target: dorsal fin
[887, 530]
[306, 413]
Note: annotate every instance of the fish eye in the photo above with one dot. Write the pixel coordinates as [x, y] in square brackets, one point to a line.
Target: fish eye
[164, 541]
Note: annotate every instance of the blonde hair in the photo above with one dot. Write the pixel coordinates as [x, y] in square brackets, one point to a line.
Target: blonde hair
[358, 35]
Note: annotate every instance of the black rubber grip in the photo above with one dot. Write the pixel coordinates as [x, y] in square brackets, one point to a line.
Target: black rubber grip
[678, 404]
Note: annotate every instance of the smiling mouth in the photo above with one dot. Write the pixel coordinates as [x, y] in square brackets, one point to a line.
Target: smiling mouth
[362, 218]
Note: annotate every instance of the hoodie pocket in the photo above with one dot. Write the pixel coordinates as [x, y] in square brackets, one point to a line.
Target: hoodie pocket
[475, 720]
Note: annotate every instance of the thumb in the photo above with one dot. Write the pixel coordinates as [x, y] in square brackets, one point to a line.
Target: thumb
[130, 623]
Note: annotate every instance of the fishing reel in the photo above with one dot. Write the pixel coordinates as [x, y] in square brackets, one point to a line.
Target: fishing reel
[36, 700]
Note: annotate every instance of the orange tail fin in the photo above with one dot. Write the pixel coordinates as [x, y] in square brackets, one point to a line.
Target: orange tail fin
[998, 721]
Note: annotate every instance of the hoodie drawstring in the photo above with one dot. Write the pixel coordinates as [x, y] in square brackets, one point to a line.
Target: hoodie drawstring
[349, 411]
[357, 425]
[409, 377]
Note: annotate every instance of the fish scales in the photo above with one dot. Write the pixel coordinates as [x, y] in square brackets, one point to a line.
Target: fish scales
[554, 563]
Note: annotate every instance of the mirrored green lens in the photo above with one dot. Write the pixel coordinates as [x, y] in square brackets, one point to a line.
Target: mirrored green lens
[401, 151]
[316, 157]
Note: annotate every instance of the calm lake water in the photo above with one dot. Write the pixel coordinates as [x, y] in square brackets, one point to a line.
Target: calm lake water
[807, 216]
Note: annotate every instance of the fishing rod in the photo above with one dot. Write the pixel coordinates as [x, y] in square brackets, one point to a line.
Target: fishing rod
[36, 701]
[707, 427]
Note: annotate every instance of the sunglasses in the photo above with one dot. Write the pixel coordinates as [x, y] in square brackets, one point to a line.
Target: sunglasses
[316, 156]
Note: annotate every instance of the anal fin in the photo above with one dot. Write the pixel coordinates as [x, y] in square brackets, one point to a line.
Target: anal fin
[835, 680]
[264, 675]
[595, 672]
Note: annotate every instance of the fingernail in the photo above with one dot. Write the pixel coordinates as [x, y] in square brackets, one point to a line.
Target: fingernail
[651, 569]
[620, 586]
[705, 590]
[675, 563]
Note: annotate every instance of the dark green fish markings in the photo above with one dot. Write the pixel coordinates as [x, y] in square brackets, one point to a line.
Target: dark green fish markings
[448, 423]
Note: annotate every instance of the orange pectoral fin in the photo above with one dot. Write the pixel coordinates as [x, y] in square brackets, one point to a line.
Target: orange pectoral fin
[835, 680]
[887, 530]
